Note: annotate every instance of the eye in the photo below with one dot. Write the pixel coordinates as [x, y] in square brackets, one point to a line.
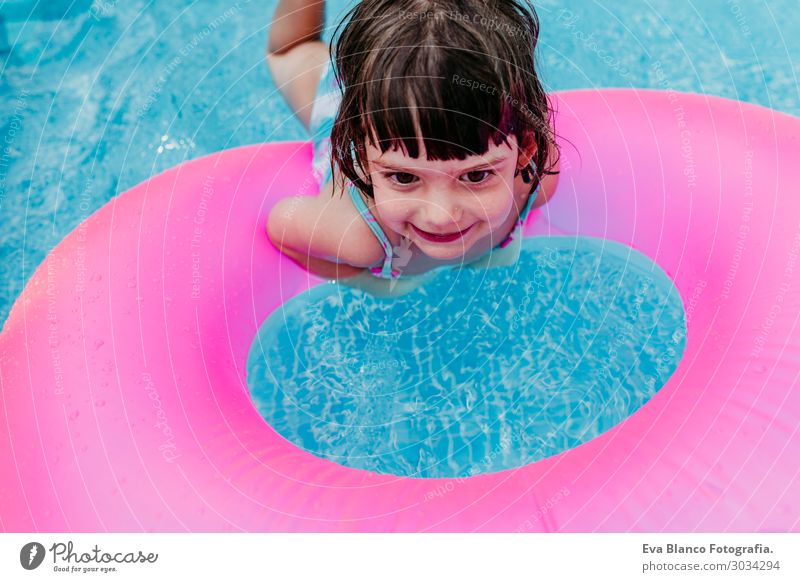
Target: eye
[402, 178]
[478, 176]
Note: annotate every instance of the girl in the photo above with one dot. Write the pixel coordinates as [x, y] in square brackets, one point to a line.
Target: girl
[432, 138]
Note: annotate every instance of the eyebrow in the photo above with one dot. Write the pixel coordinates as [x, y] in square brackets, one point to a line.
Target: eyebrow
[489, 162]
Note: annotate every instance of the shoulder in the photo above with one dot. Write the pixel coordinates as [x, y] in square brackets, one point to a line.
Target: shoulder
[327, 226]
[358, 244]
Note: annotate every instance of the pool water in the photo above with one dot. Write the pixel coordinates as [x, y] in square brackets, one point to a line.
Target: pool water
[478, 371]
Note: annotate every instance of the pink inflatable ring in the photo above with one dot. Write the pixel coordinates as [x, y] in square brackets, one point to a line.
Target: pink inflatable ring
[126, 406]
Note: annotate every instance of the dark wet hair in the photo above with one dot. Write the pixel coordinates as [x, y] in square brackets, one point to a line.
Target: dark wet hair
[455, 72]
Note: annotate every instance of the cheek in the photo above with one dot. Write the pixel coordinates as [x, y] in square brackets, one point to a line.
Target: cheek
[492, 207]
[391, 206]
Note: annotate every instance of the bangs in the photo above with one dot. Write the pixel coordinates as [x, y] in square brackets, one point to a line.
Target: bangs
[416, 98]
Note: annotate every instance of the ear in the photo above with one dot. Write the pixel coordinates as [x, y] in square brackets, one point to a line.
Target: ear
[525, 155]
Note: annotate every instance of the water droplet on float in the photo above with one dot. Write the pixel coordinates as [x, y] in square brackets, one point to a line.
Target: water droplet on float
[98, 343]
[100, 403]
[74, 414]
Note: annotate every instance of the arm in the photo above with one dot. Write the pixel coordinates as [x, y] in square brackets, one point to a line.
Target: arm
[315, 243]
[295, 53]
[295, 22]
[321, 267]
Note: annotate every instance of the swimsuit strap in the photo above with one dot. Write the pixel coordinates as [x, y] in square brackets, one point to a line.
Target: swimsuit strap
[385, 271]
[522, 217]
[529, 204]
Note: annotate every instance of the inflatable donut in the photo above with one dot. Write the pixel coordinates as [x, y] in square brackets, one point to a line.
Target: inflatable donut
[122, 364]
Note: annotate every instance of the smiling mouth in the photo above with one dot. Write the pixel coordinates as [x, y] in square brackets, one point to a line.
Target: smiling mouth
[441, 237]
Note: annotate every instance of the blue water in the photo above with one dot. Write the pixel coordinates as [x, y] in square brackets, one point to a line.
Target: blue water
[114, 92]
[478, 371]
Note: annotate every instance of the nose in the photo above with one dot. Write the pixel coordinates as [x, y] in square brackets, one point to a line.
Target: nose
[442, 213]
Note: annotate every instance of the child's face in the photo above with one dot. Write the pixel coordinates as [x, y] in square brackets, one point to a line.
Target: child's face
[417, 197]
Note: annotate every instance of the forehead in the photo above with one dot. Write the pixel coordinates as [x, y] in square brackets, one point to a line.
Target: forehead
[398, 158]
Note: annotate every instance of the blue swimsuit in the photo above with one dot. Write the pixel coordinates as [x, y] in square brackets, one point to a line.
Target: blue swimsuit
[323, 114]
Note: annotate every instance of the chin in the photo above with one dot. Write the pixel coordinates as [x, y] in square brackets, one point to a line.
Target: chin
[441, 253]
